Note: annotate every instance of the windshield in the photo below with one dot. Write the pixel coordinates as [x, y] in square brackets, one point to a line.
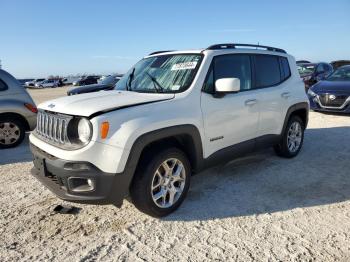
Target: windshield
[165, 73]
[341, 74]
[306, 69]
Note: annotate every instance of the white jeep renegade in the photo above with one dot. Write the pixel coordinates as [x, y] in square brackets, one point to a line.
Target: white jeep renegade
[172, 115]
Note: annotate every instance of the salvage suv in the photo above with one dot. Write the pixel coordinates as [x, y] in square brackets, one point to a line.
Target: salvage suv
[172, 115]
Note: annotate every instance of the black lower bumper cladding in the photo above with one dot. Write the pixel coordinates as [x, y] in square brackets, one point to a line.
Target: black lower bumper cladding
[58, 176]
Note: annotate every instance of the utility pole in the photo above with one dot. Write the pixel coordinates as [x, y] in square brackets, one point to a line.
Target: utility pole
[0, 63]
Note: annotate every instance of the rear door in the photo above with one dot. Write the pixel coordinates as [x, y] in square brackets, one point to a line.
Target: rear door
[272, 74]
[232, 118]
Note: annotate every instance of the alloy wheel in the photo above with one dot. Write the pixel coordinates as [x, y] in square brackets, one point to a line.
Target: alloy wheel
[294, 137]
[168, 183]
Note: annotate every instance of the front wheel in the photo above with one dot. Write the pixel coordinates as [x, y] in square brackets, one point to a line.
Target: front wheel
[161, 182]
[292, 138]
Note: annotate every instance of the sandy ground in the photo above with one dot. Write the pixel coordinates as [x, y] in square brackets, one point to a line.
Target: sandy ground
[260, 208]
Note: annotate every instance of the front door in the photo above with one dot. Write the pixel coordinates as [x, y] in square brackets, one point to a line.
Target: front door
[232, 118]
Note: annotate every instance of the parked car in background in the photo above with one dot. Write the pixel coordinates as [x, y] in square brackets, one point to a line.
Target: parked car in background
[48, 83]
[23, 81]
[106, 84]
[339, 63]
[311, 73]
[333, 93]
[70, 80]
[102, 78]
[87, 80]
[171, 115]
[303, 62]
[17, 111]
[34, 82]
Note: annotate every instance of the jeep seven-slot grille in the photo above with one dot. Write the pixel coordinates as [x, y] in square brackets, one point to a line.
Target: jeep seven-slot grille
[52, 127]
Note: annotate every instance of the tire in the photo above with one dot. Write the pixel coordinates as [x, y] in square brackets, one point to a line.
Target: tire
[151, 172]
[12, 131]
[289, 137]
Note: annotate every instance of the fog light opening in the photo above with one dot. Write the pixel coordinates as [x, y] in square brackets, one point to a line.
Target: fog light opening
[79, 184]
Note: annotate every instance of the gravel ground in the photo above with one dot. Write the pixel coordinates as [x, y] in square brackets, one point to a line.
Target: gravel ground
[259, 207]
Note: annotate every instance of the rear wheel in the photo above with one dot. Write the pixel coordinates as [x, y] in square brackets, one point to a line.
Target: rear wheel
[12, 131]
[161, 182]
[292, 138]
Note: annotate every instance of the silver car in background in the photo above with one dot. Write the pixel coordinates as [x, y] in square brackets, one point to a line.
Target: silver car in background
[34, 82]
[17, 111]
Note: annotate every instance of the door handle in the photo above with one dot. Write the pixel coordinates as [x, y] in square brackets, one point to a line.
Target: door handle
[285, 94]
[250, 102]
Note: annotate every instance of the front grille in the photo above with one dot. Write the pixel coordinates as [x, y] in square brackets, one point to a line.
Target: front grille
[339, 100]
[52, 127]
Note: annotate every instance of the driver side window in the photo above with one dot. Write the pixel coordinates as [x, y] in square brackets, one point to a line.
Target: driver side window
[209, 82]
[229, 66]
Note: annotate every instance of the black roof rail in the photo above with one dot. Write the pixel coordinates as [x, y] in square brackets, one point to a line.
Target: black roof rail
[232, 46]
[159, 52]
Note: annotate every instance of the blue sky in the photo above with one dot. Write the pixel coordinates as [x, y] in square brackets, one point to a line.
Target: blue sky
[40, 38]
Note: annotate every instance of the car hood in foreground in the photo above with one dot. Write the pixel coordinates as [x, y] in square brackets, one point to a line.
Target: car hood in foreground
[325, 86]
[91, 103]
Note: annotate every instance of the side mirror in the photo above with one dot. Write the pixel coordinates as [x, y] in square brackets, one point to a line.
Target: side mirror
[227, 85]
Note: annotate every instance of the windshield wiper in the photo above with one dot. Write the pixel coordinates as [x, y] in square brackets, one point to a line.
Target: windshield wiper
[129, 80]
[159, 89]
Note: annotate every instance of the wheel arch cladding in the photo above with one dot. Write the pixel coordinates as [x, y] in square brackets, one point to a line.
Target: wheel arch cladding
[18, 116]
[301, 110]
[185, 137]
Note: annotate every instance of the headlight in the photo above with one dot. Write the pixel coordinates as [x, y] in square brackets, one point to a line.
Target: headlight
[311, 93]
[84, 130]
[79, 131]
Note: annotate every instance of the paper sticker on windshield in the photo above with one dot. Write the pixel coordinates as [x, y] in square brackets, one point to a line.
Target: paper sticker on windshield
[184, 66]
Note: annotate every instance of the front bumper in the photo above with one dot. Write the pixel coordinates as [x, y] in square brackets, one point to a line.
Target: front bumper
[314, 105]
[79, 182]
[31, 119]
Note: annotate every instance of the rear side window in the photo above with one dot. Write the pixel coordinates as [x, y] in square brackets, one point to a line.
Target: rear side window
[285, 69]
[3, 86]
[267, 70]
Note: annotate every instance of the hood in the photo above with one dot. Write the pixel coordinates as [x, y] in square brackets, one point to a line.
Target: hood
[90, 103]
[336, 87]
[87, 88]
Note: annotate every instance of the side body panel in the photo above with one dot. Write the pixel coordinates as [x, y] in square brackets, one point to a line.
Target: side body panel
[13, 99]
